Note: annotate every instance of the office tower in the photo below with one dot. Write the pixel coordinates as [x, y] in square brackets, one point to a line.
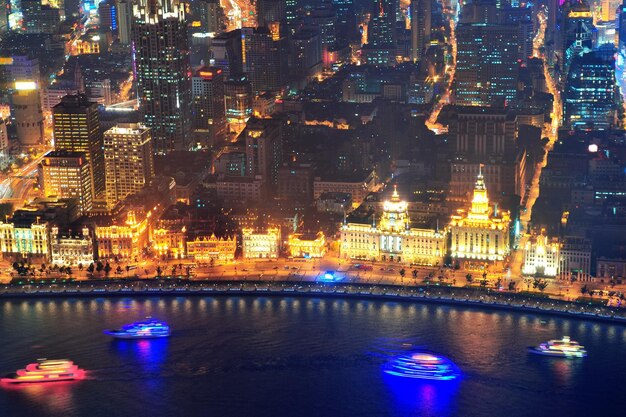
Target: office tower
[27, 113]
[207, 16]
[381, 34]
[4, 144]
[265, 59]
[271, 11]
[577, 30]
[621, 26]
[420, 27]
[38, 18]
[324, 18]
[209, 114]
[227, 53]
[590, 92]
[124, 21]
[522, 17]
[162, 71]
[77, 129]
[107, 11]
[238, 103]
[346, 21]
[306, 54]
[67, 174]
[486, 69]
[291, 10]
[263, 139]
[5, 11]
[128, 161]
[24, 68]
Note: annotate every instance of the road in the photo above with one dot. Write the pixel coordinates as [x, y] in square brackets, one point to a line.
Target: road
[16, 188]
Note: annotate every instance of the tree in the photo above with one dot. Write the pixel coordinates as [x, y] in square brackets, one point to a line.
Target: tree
[498, 283]
[483, 283]
[584, 289]
[80, 266]
[511, 285]
[127, 270]
[402, 272]
[212, 262]
[540, 284]
[414, 272]
[469, 278]
[99, 266]
[118, 270]
[159, 271]
[68, 271]
[90, 268]
[107, 269]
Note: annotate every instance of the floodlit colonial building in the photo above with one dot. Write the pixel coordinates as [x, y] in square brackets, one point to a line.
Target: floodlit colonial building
[123, 240]
[393, 239]
[481, 235]
[71, 249]
[307, 245]
[261, 245]
[541, 256]
[170, 241]
[213, 248]
[24, 240]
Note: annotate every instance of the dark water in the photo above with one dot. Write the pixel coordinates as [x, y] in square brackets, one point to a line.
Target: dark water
[304, 357]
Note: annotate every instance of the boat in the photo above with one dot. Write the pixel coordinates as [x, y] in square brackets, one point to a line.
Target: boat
[145, 329]
[45, 370]
[422, 365]
[562, 348]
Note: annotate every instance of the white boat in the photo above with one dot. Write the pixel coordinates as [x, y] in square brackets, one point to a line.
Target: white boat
[562, 348]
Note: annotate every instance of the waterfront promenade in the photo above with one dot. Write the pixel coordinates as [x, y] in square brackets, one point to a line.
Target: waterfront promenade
[476, 297]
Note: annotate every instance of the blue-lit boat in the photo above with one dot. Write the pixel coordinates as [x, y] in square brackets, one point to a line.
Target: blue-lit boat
[422, 365]
[563, 348]
[146, 329]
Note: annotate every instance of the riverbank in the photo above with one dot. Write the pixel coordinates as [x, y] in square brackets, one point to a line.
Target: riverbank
[481, 298]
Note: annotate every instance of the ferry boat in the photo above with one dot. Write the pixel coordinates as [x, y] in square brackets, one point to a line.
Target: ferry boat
[146, 329]
[45, 370]
[422, 365]
[563, 348]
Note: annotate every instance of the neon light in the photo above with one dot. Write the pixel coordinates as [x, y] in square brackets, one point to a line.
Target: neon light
[146, 329]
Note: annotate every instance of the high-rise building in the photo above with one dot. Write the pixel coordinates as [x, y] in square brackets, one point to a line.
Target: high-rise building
[209, 114]
[67, 174]
[162, 71]
[227, 53]
[621, 26]
[265, 59]
[420, 12]
[481, 235]
[263, 138]
[577, 30]
[346, 20]
[77, 129]
[238, 103]
[124, 21]
[128, 160]
[39, 18]
[107, 11]
[590, 92]
[27, 113]
[271, 11]
[207, 16]
[306, 54]
[324, 18]
[486, 68]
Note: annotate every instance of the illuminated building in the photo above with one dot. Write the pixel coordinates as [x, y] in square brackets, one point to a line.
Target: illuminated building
[393, 238]
[240, 189]
[270, 11]
[77, 129]
[27, 113]
[324, 19]
[481, 235]
[589, 99]
[123, 240]
[238, 103]
[420, 27]
[66, 174]
[4, 144]
[260, 245]
[541, 256]
[24, 239]
[203, 249]
[169, 241]
[307, 246]
[306, 53]
[575, 259]
[209, 116]
[125, 21]
[69, 249]
[486, 67]
[90, 43]
[265, 59]
[162, 71]
[207, 16]
[128, 161]
[39, 18]
[577, 30]
[107, 12]
[227, 53]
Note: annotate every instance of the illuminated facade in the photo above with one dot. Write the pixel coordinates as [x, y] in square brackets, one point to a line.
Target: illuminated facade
[27, 113]
[393, 239]
[261, 245]
[124, 240]
[541, 257]
[203, 249]
[71, 250]
[307, 246]
[67, 174]
[128, 161]
[482, 234]
[24, 240]
[169, 242]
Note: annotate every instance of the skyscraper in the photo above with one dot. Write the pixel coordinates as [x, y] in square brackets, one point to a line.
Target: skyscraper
[420, 27]
[67, 174]
[209, 116]
[590, 92]
[576, 31]
[77, 129]
[27, 113]
[264, 150]
[128, 161]
[124, 21]
[161, 59]
[265, 59]
[486, 69]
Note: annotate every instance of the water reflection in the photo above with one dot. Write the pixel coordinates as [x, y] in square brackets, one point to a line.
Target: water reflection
[414, 397]
[56, 398]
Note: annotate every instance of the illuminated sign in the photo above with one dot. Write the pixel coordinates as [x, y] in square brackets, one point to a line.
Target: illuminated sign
[25, 85]
[576, 15]
[196, 24]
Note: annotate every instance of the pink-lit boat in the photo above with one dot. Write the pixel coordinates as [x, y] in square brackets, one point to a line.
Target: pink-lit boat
[45, 371]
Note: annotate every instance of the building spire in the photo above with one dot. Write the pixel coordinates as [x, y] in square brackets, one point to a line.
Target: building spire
[395, 197]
